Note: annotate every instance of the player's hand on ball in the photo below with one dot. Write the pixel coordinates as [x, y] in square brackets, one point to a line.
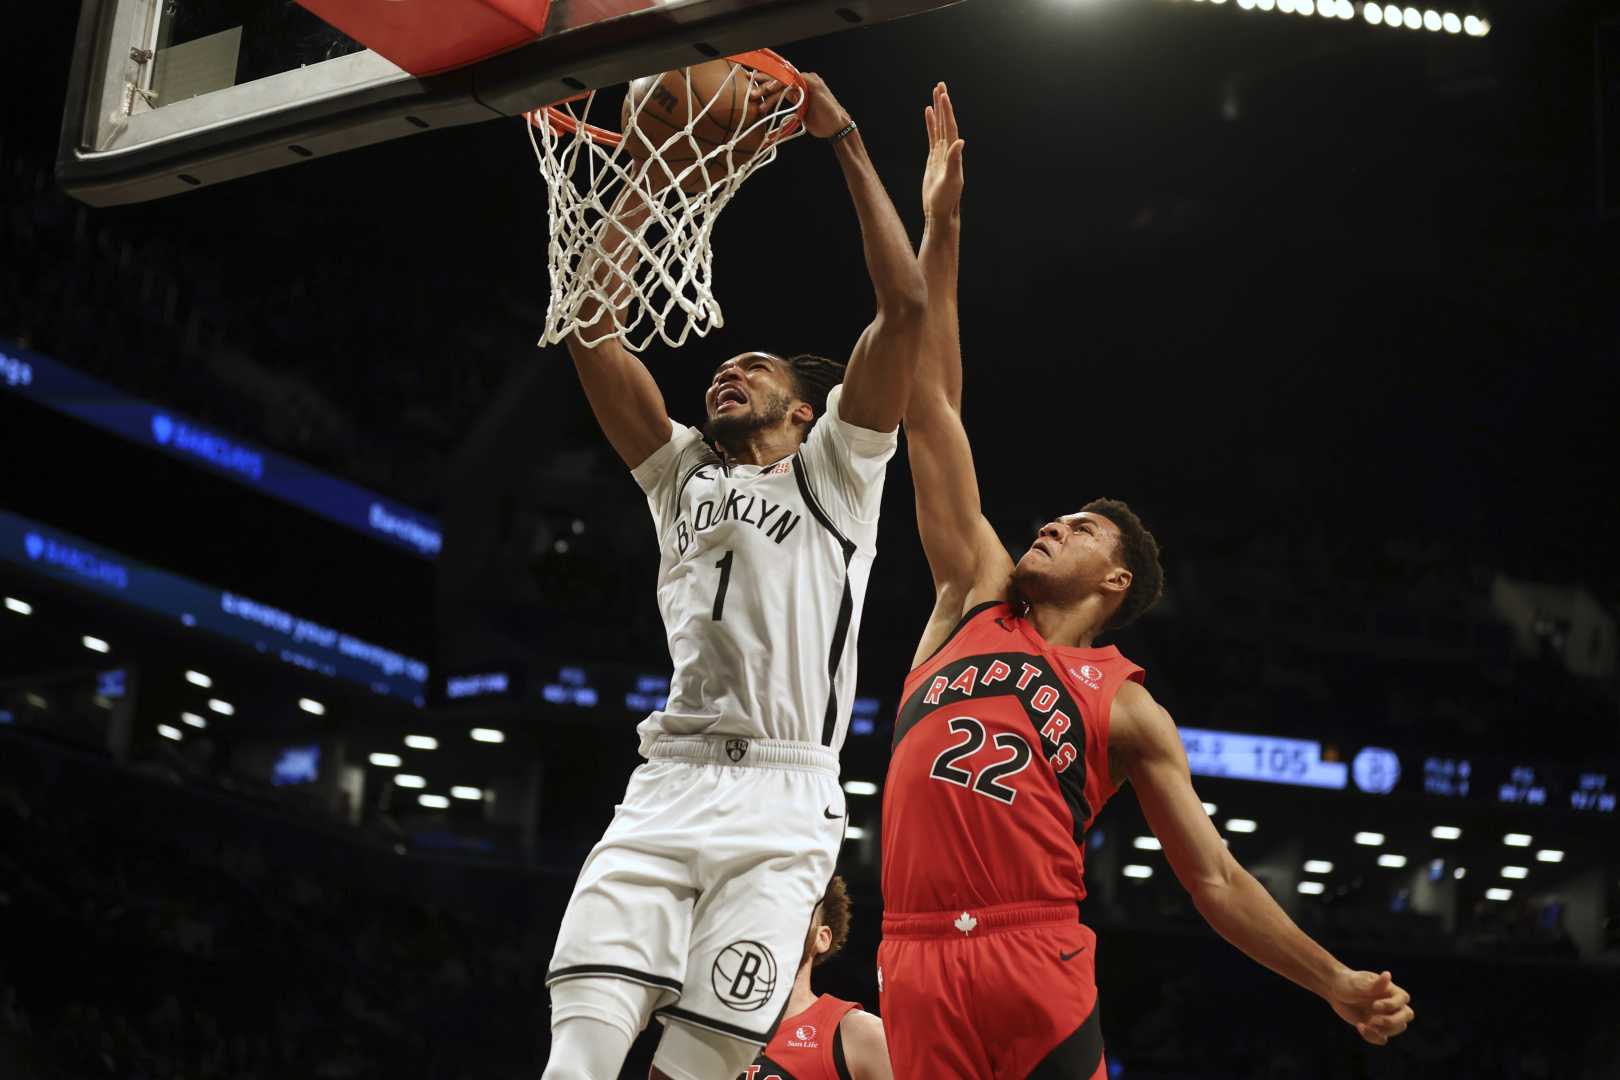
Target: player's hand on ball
[1372, 1004]
[824, 117]
[942, 179]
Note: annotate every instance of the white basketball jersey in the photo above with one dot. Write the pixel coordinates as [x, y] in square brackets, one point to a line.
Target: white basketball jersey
[761, 577]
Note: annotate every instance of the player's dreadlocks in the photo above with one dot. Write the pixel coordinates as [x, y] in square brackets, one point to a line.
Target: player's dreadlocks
[813, 379]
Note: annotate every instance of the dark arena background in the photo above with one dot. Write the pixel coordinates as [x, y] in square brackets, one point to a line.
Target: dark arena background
[328, 613]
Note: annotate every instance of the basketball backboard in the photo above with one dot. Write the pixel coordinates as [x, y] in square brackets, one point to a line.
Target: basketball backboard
[167, 96]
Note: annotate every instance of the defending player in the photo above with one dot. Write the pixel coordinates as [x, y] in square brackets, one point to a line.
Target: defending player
[1014, 730]
[696, 898]
[823, 1037]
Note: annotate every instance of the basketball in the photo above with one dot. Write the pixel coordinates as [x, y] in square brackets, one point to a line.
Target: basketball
[666, 107]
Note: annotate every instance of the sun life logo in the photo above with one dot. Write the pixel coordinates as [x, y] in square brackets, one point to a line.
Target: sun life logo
[1088, 674]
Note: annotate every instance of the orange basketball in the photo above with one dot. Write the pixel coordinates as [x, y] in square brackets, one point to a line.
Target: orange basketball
[667, 105]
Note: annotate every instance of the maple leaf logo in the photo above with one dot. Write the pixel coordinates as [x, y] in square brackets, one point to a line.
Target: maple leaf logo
[965, 923]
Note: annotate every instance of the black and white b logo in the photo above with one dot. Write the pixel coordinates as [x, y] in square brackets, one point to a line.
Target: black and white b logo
[744, 975]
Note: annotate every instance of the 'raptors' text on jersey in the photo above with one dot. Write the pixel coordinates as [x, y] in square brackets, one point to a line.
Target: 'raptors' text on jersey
[1000, 764]
[761, 578]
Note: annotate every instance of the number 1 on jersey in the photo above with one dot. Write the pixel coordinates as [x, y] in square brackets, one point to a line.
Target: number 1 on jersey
[724, 566]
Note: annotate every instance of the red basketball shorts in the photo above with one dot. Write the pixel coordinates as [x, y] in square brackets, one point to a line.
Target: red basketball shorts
[1005, 992]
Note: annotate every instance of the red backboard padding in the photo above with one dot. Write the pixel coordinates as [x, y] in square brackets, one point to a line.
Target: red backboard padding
[426, 37]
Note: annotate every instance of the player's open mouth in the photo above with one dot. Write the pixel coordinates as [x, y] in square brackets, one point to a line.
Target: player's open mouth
[730, 395]
[1037, 546]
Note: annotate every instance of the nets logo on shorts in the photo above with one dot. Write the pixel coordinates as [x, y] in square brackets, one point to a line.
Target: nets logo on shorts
[744, 975]
[736, 748]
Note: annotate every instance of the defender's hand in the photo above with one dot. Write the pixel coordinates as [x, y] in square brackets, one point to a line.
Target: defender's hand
[1372, 1004]
[942, 179]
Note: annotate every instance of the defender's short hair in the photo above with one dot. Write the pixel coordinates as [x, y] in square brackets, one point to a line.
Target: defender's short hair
[1139, 551]
[834, 909]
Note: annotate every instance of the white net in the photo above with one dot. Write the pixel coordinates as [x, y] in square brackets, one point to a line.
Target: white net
[632, 218]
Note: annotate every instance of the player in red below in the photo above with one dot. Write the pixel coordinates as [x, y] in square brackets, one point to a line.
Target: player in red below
[822, 1037]
[1014, 729]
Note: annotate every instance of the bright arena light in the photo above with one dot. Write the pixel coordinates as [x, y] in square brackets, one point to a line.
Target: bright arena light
[21, 607]
[1136, 870]
[311, 706]
[1344, 9]
[95, 644]
[1147, 843]
[1498, 894]
[1394, 862]
[197, 678]
[410, 780]
[224, 708]
[1431, 20]
[1240, 825]
[1517, 839]
[1370, 839]
[860, 787]
[1373, 14]
[489, 735]
[1517, 873]
[1312, 888]
[1392, 15]
[1445, 832]
[1412, 18]
[433, 802]
[1460, 873]
[1210, 808]
[461, 791]
[1318, 866]
[191, 719]
[386, 761]
[1452, 24]
[421, 742]
[1550, 855]
[169, 731]
[854, 832]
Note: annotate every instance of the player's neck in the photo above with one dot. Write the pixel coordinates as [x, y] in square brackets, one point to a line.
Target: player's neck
[766, 446]
[1073, 626]
[802, 997]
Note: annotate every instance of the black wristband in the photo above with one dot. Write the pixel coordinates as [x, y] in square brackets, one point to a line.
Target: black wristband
[843, 132]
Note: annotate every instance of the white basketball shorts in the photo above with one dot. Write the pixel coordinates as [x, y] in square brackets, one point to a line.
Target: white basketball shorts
[705, 882]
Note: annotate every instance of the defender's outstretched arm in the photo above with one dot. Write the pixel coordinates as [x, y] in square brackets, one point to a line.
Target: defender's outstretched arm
[1237, 906]
[967, 559]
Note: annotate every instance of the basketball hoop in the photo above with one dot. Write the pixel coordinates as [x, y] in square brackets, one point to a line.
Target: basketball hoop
[632, 213]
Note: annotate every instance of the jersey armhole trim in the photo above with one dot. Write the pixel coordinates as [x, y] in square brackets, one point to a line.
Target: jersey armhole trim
[1105, 722]
[840, 1062]
[968, 616]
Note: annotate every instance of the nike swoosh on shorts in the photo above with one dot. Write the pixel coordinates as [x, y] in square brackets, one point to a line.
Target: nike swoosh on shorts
[1071, 955]
[830, 815]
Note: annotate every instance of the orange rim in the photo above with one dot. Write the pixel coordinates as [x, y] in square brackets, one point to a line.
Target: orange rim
[766, 61]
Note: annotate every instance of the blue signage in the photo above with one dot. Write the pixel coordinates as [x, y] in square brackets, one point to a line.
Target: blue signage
[77, 395]
[302, 642]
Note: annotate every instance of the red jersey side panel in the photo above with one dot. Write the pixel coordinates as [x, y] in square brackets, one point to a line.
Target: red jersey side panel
[999, 765]
[803, 1047]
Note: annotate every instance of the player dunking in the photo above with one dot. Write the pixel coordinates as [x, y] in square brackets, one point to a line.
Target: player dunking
[1015, 728]
[694, 904]
[823, 1037]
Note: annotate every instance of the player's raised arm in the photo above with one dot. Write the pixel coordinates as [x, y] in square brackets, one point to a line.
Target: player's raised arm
[1226, 895]
[878, 379]
[622, 392]
[968, 561]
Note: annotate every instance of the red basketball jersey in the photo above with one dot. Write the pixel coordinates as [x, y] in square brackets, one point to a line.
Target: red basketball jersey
[807, 1046]
[999, 766]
